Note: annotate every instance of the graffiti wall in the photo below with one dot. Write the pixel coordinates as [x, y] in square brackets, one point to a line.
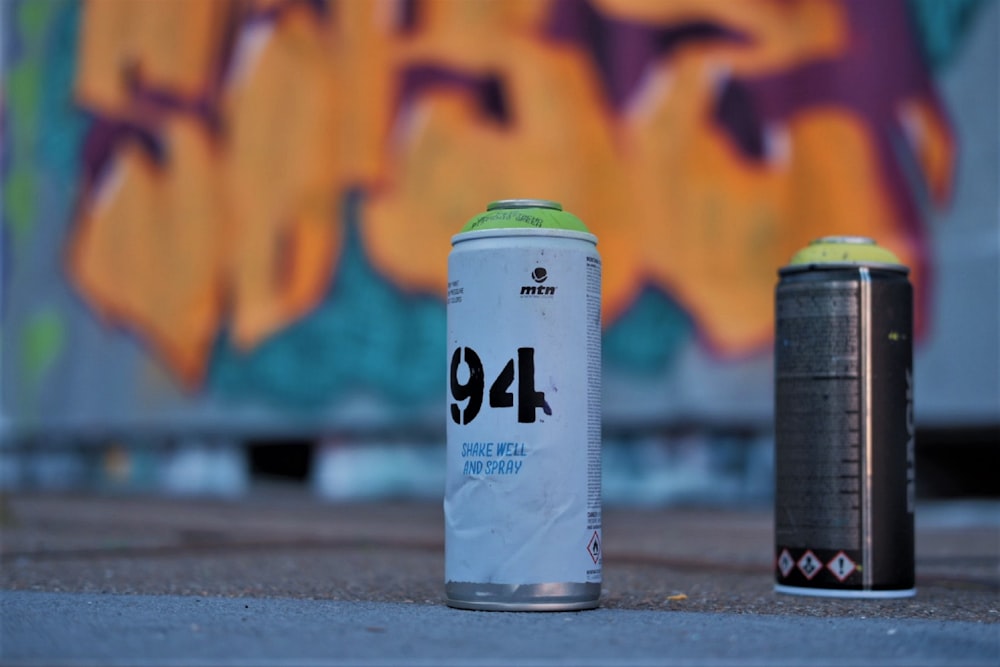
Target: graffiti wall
[234, 216]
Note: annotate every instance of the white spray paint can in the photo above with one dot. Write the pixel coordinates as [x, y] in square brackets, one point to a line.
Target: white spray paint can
[522, 501]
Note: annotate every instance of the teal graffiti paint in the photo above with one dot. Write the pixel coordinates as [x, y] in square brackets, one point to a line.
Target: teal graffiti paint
[366, 335]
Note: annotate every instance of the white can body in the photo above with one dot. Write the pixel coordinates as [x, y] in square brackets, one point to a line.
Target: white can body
[523, 492]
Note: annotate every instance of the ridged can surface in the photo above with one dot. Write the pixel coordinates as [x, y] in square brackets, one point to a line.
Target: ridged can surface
[844, 427]
[522, 502]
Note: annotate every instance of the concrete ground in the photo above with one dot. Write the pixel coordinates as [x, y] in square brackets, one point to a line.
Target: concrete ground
[282, 578]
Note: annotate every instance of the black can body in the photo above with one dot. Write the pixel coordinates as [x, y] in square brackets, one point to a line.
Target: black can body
[844, 431]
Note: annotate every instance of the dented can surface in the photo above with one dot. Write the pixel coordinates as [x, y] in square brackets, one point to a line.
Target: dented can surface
[844, 427]
[522, 500]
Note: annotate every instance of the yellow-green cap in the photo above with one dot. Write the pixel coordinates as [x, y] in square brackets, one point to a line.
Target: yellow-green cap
[839, 251]
[525, 214]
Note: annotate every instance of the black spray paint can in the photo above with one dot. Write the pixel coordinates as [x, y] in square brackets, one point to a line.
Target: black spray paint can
[844, 427]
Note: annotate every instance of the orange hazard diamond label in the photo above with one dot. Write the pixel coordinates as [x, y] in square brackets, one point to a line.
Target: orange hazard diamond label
[594, 548]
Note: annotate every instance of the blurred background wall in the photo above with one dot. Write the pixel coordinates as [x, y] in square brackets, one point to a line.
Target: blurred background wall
[226, 223]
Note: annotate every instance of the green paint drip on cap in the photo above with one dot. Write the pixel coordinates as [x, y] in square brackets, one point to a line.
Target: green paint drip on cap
[859, 250]
[525, 214]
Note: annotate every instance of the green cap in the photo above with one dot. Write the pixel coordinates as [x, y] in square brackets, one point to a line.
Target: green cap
[839, 251]
[525, 214]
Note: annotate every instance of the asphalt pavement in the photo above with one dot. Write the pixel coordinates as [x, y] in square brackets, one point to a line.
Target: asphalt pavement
[286, 579]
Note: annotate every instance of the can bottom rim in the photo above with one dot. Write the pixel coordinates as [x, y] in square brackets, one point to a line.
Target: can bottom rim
[557, 596]
[846, 593]
[522, 606]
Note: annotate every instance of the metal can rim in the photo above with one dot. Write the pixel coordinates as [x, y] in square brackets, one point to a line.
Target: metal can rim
[501, 204]
[839, 266]
[523, 231]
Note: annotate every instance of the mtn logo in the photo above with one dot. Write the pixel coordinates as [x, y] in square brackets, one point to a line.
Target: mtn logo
[539, 276]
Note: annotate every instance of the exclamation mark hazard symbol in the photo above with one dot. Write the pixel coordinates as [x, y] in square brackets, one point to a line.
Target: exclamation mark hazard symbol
[841, 566]
[594, 548]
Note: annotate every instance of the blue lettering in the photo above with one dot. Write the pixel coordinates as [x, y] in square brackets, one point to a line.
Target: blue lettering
[506, 467]
[510, 449]
[477, 449]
